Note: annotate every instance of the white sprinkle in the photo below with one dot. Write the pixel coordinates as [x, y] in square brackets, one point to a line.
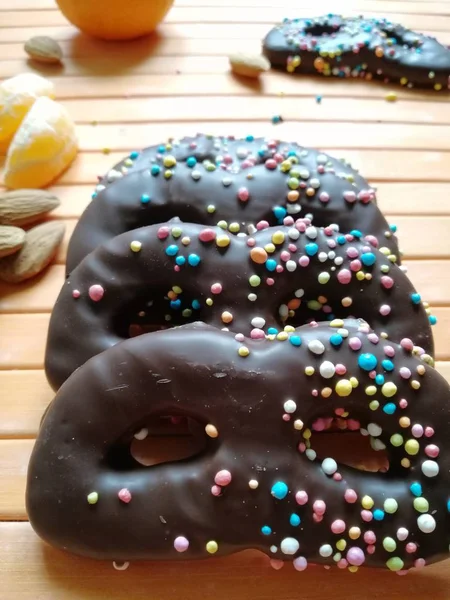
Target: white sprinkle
[113, 175]
[289, 545]
[327, 369]
[377, 444]
[338, 260]
[252, 297]
[290, 406]
[426, 523]
[141, 434]
[331, 254]
[430, 468]
[316, 347]
[283, 311]
[329, 466]
[322, 256]
[343, 332]
[253, 484]
[258, 322]
[291, 266]
[273, 549]
[374, 429]
[402, 534]
[293, 209]
[325, 550]
[311, 233]
[298, 424]
[299, 293]
[311, 454]
[293, 233]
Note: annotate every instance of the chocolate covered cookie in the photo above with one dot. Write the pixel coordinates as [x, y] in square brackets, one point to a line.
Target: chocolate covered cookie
[359, 48]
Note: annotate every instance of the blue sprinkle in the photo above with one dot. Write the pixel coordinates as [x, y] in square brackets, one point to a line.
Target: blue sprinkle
[341, 240]
[250, 138]
[378, 514]
[356, 233]
[155, 170]
[432, 319]
[195, 304]
[279, 212]
[180, 260]
[318, 99]
[368, 362]
[294, 520]
[277, 119]
[379, 379]
[194, 260]
[272, 331]
[295, 340]
[368, 259]
[172, 250]
[311, 249]
[266, 530]
[94, 195]
[415, 298]
[393, 228]
[161, 149]
[292, 153]
[336, 339]
[175, 304]
[416, 488]
[279, 490]
[387, 365]
[271, 264]
[191, 162]
[134, 155]
[261, 152]
[389, 408]
[448, 505]
[145, 198]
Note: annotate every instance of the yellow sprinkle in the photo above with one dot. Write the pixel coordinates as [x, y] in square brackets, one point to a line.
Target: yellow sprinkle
[222, 224]
[412, 447]
[371, 390]
[421, 370]
[396, 440]
[186, 240]
[367, 502]
[212, 547]
[438, 87]
[353, 568]
[343, 388]
[354, 533]
[374, 405]
[278, 237]
[211, 431]
[289, 329]
[222, 241]
[360, 276]
[169, 161]
[211, 209]
[177, 290]
[336, 323]
[309, 370]
[168, 174]
[415, 384]
[307, 434]
[389, 389]
[341, 545]
[209, 301]
[269, 248]
[234, 227]
[346, 301]
[404, 422]
[391, 96]
[136, 246]
[354, 382]
[405, 462]
[243, 351]
[282, 336]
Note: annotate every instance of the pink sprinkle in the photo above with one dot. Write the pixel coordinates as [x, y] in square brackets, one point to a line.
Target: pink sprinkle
[279, 269]
[385, 309]
[243, 194]
[337, 477]
[251, 242]
[365, 196]
[270, 281]
[239, 337]
[355, 265]
[300, 225]
[288, 221]
[285, 256]
[124, 495]
[350, 196]
[96, 292]
[389, 351]
[315, 393]
[429, 432]
[355, 556]
[301, 448]
[223, 477]
[344, 276]
[216, 490]
[417, 430]
[405, 373]
[331, 243]
[276, 564]
[177, 268]
[317, 518]
[372, 337]
[366, 516]
[341, 369]
[207, 235]
[181, 544]
[402, 534]
[419, 563]
[163, 233]
[370, 549]
[278, 157]
[350, 496]
[76, 293]
[216, 288]
[339, 411]
[301, 497]
[355, 343]
[324, 197]
[353, 425]
[257, 334]
[387, 282]
[432, 451]
[338, 526]
[303, 261]
[370, 537]
[406, 344]
[292, 248]
[227, 159]
[411, 547]
[403, 403]
[342, 564]
[352, 252]
[319, 507]
[270, 164]
[300, 563]
[262, 225]
[286, 417]
[372, 240]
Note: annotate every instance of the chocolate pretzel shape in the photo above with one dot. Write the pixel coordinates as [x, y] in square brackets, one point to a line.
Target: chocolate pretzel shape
[356, 47]
[258, 483]
[252, 285]
[235, 183]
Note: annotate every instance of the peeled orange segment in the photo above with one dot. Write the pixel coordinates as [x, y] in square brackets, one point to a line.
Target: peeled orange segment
[17, 96]
[43, 147]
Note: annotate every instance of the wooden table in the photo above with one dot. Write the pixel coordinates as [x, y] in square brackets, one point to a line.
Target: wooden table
[127, 96]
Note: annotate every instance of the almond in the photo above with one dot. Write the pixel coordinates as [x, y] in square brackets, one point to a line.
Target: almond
[40, 246]
[22, 207]
[11, 240]
[43, 49]
[249, 65]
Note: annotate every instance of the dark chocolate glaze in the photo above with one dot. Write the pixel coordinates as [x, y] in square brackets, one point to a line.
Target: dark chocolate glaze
[327, 188]
[228, 281]
[196, 371]
[358, 47]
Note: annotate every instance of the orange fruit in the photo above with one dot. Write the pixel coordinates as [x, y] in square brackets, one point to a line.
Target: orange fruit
[44, 146]
[17, 96]
[115, 19]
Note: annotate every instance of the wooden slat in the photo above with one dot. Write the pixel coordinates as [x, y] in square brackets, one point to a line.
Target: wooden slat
[19, 350]
[31, 569]
[269, 15]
